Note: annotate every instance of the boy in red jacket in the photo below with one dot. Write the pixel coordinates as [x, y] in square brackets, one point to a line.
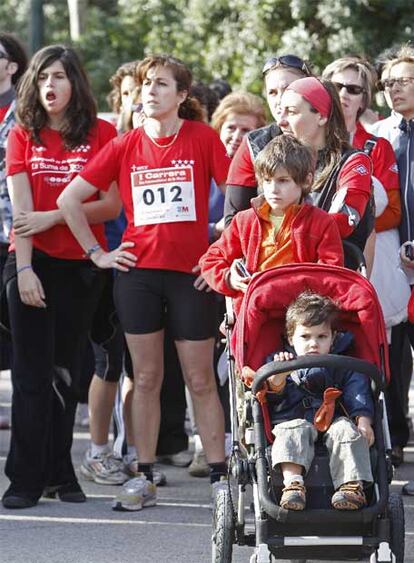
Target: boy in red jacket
[280, 228]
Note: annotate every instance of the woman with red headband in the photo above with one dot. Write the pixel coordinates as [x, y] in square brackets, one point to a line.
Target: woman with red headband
[311, 111]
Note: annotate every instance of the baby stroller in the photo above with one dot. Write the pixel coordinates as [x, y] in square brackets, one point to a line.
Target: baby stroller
[374, 533]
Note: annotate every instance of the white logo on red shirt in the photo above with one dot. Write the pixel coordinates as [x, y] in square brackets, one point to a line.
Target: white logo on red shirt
[82, 148]
[394, 167]
[361, 169]
[182, 162]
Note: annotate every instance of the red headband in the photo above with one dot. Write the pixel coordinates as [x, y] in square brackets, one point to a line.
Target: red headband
[313, 91]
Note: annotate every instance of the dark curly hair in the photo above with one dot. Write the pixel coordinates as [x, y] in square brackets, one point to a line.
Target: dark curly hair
[16, 53]
[80, 114]
[311, 309]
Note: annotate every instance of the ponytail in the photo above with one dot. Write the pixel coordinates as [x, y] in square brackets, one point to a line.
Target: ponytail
[191, 109]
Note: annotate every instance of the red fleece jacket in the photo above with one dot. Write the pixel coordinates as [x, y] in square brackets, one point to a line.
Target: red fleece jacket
[314, 233]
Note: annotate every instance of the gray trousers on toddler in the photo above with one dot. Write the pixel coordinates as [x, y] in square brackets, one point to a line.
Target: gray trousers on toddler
[347, 449]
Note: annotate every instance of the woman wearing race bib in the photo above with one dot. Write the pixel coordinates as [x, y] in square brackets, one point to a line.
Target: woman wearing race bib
[52, 288]
[163, 170]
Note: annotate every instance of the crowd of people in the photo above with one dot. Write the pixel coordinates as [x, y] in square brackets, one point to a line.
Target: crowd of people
[119, 240]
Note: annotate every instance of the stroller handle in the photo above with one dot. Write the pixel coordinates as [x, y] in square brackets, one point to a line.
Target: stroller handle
[334, 361]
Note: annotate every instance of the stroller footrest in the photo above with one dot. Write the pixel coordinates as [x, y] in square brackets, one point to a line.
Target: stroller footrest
[303, 541]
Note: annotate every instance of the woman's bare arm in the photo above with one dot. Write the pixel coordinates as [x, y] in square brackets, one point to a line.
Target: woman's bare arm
[30, 287]
[70, 203]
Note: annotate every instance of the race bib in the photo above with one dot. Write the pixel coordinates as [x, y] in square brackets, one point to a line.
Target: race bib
[163, 195]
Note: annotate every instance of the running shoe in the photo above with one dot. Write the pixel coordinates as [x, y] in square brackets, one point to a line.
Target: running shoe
[199, 466]
[136, 494]
[104, 469]
[131, 469]
[180, 459]
[82, 415]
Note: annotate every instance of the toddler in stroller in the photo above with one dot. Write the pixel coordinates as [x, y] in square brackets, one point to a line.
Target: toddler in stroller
[374, 531]
[335, 402]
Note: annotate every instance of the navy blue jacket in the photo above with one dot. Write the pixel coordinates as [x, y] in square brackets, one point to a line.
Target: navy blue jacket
[303, 393]
[404, 153]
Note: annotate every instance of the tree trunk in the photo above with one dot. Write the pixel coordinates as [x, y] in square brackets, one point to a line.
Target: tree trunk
[36, 25]
[77, 18]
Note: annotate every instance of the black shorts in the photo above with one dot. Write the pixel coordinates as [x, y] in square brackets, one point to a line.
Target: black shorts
[149, 300]
[112, 358]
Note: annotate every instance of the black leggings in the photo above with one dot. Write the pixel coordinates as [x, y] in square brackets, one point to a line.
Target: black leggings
[48, 345]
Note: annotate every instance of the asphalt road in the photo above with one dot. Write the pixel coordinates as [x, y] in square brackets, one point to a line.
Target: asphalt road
[178, 529]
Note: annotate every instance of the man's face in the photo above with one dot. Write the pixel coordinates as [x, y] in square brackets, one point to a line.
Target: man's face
[401, 88]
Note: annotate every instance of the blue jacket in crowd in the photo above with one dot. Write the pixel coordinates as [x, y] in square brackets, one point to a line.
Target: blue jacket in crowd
[303, 393]
[403, 145]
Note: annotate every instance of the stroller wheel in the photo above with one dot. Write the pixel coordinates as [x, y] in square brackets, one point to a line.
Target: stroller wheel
[223, 528]
[394, 551]
[396, 515]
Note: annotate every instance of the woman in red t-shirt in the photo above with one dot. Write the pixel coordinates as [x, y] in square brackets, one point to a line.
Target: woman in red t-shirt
[52, 289]
[163, 170]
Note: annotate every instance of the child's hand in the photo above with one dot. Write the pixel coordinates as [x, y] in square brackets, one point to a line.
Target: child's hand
[276, 383]
[364, 426]
[283, 356]
[237, 281]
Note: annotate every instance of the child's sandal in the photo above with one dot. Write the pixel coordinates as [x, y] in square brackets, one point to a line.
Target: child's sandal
[293, 497]
[349, 496]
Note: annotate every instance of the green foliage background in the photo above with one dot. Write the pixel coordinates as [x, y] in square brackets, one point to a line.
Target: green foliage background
[220, 38]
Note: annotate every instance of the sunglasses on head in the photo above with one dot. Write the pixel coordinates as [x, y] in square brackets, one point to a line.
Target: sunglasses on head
[353, 89]
[286, 60]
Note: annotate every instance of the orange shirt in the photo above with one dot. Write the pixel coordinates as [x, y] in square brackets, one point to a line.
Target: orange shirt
[276, 248]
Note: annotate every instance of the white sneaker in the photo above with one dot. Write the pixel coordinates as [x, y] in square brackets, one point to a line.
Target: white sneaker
[180, 459]
[131, 469]
[136, 494]
[4, 422]
[104, 469]
[199, 466]
[82, 415]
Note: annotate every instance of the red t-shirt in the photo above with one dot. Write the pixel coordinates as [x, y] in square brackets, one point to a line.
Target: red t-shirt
[241, 171]
[164, 191]
[383, 158]
[50, 167]
[3, 111]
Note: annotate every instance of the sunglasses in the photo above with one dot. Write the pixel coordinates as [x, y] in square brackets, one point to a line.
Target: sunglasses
[389, 83]
[3, 55]
[286, 60]
[353, 89]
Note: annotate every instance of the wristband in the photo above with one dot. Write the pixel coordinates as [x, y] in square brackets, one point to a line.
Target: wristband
[92, 249]
[27, 267]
